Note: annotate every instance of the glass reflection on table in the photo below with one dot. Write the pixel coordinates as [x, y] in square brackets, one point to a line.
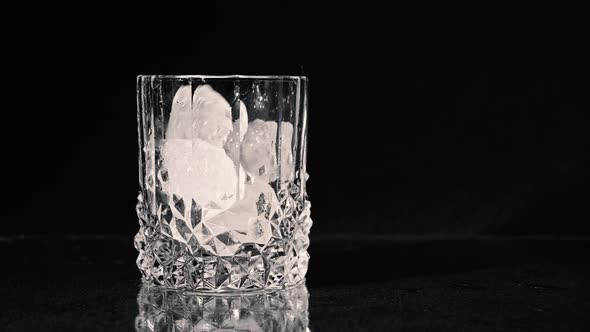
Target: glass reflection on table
[169, 310]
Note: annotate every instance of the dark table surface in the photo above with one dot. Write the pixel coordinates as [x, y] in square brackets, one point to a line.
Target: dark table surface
[364, 283]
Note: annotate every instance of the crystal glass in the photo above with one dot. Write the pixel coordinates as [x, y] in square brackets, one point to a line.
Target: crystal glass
[171, 310]
[222, 203]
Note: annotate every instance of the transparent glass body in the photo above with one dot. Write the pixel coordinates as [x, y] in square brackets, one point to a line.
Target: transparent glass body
[222, 203]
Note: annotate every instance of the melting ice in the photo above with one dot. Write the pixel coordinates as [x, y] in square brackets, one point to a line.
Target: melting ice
[225, 167]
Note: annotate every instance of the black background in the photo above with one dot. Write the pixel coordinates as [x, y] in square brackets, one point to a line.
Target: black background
[424, 118]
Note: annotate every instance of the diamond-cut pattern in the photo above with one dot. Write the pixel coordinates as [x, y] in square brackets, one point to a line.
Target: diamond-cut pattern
[169, 310]
[202, 256]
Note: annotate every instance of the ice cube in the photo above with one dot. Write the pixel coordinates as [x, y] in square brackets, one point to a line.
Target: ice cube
[245, 212]
[179, 125]
[207, 117]
[212, 120]
[200, 171]
[258, 154]
[258, 151]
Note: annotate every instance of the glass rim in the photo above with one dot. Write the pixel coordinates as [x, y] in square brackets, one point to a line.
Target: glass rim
[233, 76]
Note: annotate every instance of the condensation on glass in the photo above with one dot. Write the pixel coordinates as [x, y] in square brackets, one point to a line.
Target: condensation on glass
[222, 203]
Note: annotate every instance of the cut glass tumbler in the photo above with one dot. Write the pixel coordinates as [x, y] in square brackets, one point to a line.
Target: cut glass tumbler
[222, 203]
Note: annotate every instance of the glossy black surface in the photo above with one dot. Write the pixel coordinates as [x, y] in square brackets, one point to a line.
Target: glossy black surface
[355, 284]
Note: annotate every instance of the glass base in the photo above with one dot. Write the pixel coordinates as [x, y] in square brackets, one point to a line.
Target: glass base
[220, 260]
